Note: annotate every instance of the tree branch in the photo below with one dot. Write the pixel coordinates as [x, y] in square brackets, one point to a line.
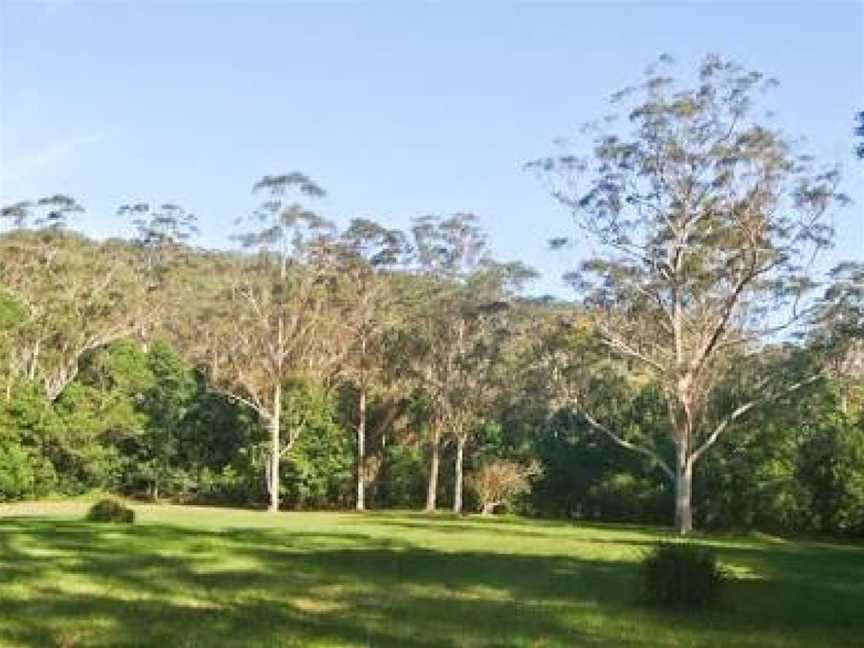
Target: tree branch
[628, 445]
[742, 410]
[263, 413]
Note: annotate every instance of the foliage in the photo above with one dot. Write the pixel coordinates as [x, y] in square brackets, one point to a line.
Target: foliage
[829, 470]
[319, 469]
[33, 436]
[625, 497]
[78, 296]
[17, 480]
[401, 478]
[859, 131]
[679, 574]
[498, 481]
[584, 478]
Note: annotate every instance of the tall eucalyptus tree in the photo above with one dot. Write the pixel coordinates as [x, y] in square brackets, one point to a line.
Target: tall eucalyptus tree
[458, 324]
[76, 295]
[267, 318]
[708, 220]
[162, 236]
[369, 303]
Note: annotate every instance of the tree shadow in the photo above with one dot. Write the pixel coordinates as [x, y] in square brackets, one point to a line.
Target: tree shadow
[74, 583]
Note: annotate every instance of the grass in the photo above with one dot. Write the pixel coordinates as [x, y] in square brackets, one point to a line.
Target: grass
[190, 576]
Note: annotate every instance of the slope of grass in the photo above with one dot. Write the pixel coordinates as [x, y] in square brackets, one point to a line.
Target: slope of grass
[189, 576]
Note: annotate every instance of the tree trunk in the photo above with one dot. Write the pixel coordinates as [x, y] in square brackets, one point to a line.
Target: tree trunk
[432, 488]
[34, 358]
[274, 449]
[457, 485]
[684, 493]
[361, 453]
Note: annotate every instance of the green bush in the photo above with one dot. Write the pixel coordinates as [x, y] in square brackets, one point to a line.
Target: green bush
[110, 510]
[232, 485]
[681, 574]
[16, 473]
[625, 497]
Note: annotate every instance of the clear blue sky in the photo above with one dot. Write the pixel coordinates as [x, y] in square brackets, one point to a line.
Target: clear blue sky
[397, 109]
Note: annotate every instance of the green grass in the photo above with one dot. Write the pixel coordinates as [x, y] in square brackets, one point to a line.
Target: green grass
[188, 576]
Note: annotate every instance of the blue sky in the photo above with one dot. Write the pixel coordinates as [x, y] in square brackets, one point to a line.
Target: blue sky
[397, 109]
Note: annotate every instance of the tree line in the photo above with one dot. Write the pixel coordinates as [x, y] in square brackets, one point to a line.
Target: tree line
[319, 366]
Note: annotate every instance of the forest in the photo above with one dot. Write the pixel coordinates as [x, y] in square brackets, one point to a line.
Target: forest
[706, 372]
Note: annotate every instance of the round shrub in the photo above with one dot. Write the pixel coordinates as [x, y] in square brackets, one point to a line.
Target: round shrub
[682, 574]
[111, 510]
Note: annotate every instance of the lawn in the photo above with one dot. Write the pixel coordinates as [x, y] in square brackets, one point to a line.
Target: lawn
[190, 576]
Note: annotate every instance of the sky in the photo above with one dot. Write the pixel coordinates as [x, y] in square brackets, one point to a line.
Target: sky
[397, 109]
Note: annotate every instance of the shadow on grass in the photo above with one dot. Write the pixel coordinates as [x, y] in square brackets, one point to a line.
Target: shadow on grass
[73, 583]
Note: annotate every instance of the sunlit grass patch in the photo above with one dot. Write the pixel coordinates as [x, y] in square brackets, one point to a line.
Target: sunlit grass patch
[218, 577]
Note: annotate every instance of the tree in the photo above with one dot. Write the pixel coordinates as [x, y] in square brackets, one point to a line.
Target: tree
[319, 467]
[48, 213]
[445, 253]
[160, 241]
[708, 219]
[266, 319]
[160, 232]
[859, 131]
[838, 334]
[458, 328]
[76, 295]
[369, 302]
[13, 316]
[478, 374]
[166, 404]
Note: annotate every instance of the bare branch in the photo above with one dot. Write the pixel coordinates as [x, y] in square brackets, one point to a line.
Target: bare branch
[628, 445]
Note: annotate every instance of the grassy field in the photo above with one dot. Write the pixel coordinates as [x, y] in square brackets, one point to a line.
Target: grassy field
[205, 577]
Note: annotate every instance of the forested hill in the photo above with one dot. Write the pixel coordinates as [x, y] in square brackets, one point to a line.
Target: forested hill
[107, 386]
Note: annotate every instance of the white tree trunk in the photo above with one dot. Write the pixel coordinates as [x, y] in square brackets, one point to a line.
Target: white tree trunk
[275, 449]
[361, 453]
[457, 486]
[684, 493]
[432, 486]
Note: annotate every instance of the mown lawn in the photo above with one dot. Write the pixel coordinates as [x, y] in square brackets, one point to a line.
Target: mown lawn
[189, 576]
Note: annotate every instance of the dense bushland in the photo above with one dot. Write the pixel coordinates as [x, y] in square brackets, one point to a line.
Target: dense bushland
[141, 422]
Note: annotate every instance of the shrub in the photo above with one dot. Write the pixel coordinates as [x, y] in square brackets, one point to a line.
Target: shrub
[229, 486]
[16, 473]
[623, 497]
[682, 574]
[110, 510]
[498, 481]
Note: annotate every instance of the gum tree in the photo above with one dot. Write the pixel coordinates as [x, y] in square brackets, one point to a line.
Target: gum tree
[161, 245]
[705, 221]
[264, 319]
[433, 344]
[458, 329]
[74, 295]
[369, 254]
